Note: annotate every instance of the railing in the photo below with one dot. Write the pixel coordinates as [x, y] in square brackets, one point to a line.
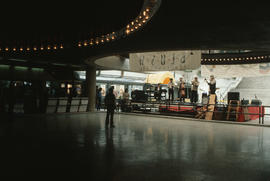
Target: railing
[196, 108]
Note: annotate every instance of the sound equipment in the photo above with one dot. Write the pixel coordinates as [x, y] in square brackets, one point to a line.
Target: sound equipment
[256, 102]
[233, 96]
[204, 98]
[244, 102]
[139, 96]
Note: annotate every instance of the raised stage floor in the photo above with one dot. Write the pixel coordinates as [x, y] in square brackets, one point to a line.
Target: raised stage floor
[77, 146]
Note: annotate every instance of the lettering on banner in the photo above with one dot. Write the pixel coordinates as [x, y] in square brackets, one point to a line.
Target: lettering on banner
[163, 61]
[183, 59]
[153, 59]
[141, 60]
[173, 59]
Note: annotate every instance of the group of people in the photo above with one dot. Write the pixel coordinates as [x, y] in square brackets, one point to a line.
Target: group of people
[110, 98]
[181, 85]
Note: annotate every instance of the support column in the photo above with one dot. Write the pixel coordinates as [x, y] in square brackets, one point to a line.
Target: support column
[91, 88]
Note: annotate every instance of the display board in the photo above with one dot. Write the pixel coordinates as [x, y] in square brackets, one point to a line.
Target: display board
[165, 60]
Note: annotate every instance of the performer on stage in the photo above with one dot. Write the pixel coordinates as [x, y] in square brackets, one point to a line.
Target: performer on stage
[158, 92]
[194, 90]
[212, 85]
[181, 87]
[171, 91]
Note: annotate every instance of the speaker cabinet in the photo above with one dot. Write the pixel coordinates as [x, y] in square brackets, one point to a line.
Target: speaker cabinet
[139, 96]
[233, 96]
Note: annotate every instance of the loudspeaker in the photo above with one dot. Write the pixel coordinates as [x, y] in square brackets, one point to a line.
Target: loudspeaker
[204, 98]
[233, 96]
[139, 96]
[256, 102]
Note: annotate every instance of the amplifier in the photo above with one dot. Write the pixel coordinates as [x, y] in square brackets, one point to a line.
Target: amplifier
[139, 96]
[256, 102]
[233, 96]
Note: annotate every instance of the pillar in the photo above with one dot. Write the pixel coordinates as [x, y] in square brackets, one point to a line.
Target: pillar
[91, 88]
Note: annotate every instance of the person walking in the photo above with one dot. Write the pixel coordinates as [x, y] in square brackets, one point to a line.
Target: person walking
[110, 105]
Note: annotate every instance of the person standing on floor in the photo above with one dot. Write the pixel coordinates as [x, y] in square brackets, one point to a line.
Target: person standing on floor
[126, 96]
[182, 93]
[194, 90]
[99, 99]
[171, 91]
[110, 105]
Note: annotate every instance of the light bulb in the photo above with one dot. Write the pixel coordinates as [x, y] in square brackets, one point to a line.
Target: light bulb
[79, 44]
[35, 48]
[21, 49]
[6, 49]
[85, 44]
[28, 49]
[41, 48]
[14, 49]
[61, 47]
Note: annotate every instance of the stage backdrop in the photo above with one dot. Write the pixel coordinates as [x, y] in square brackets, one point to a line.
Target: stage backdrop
[228, 71]
[165, 61]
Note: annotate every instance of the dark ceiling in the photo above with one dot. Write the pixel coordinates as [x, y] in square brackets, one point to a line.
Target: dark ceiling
[65, 21]
[176, 25]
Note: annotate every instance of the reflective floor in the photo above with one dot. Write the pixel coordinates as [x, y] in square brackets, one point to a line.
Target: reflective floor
[77, 146]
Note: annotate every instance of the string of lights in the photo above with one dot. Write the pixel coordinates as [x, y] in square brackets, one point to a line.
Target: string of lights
[148, 10]
[238, 59]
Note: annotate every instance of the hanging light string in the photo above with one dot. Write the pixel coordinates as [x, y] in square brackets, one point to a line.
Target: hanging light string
[148, 10]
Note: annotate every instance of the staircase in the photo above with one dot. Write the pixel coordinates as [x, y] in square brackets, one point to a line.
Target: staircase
[251, 86]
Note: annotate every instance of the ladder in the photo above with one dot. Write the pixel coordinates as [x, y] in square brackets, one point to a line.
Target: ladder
[234, 105]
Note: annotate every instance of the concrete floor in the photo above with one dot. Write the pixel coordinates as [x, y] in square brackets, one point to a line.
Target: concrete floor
[76, 146]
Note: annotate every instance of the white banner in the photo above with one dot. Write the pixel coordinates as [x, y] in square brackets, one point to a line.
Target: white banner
[165, 61]
[243, 70]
